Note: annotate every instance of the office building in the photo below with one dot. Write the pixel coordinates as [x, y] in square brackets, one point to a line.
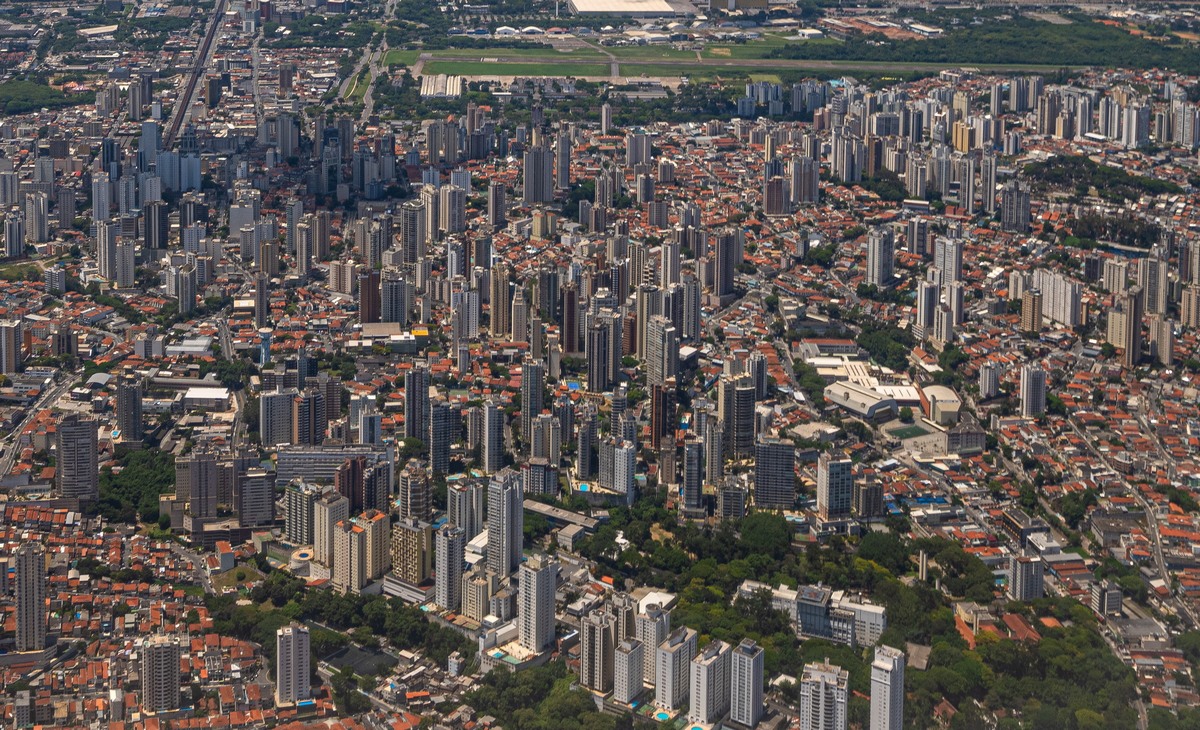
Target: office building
[823, 697]
[693, 476]
[129, 411]
[538, 176]
[254, 498]
[835, 487]
[292, 657]
[774, 474]
[746, 683]
[887, 689]
[160, 673]
[30, 596]
[275, 417]
[1105, 598]
[538, 582]
[77, 469]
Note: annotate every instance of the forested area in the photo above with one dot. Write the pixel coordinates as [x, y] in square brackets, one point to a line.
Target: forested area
[1081, 174]
[130, 493]
[1015, 40]
[540, 698]
[21, 96]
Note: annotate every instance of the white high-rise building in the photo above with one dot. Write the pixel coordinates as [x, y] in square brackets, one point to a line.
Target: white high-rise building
[662, 350]
[627, 671]
[746, 684]
[652, 628]
[330, 509]
[506, 522]
[711, 671]
[101, 196]
[947, 259]
[881, 257]
[887, 689]
[835, 487]
[160, 673]
[1061, 297]
[823, 696]
[989, 380]
[349, 573]
[292, 682]
[464, 507]
[1026, 578]
[449, 546]
[538, 577]
[1033, 391]
[674, 659]
[31, 597]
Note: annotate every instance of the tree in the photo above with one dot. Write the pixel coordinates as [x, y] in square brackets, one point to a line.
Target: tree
[906, 414]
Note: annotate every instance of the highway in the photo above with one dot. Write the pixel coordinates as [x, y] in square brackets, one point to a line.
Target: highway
[203, 57]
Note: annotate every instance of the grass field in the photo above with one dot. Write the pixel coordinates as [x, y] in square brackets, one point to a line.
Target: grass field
[481, 68]
[650, 53]
[359, 88]
[696, 70]
[404, 58]
[239, 576]
[908, 432]
[580, 53]
[754, 49]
